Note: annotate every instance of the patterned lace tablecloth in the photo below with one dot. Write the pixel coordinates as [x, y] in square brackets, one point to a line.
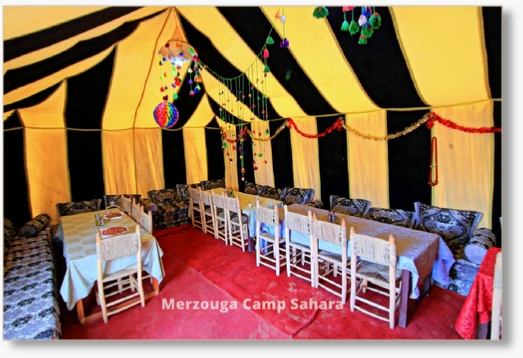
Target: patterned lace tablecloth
[80, 254]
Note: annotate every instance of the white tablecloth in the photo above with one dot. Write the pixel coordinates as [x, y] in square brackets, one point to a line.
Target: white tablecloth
[80, 254]
[418, 252]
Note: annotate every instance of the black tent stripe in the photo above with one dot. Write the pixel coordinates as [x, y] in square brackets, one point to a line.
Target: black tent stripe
[22, 45]
[16, 190]
[281, 156]
[492, 31]
[409, 161]
[86, 96]
[379, 65]
[215, 159]
[281, 60]
[16, 78]
[173, 150]
[333, 162]
[87, 93]
[32, 100]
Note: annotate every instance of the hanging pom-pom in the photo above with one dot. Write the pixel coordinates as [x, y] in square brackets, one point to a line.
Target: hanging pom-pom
[362, 40]
[265, 53]
[175, 96]
[345, 25]
[277, 15]
[283, 18]
[284, 43]
[347, 8]
[266, 69]
[362, 20]
[366, 11]
[270, 41]
[320, 12]
[367, 30]
[354, 28]
[375, 20]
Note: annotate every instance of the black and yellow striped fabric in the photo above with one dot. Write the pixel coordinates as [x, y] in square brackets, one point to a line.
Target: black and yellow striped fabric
[81, 83]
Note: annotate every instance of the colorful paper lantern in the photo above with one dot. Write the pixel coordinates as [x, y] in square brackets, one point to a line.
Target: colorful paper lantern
[166, 114]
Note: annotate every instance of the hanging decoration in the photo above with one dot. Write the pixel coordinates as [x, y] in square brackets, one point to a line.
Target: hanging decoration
[176, 52]
[166, 114]
[284, 43]
[433, 118]
[320, 12]
[368, 21]
[429, 117]
[433, 171]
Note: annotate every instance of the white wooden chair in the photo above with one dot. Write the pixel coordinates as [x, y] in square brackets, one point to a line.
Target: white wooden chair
[135, 210]
[331, 270]
[126, 204]
[373, 260]
[207, 210]
[496, 323]
[298, 256]
[145, 219]
[271, 255]
[112, 248]
[194, 209]
[220, 218]
[237, 223]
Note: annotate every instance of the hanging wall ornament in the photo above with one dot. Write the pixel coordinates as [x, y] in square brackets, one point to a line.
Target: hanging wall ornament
[320, 12]
[166, 114]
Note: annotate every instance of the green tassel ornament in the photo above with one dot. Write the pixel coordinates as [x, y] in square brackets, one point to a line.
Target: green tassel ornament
[375, 20]
[354, 28]
[320, 12]
[367, 30]
[362, 40]
[345, 24]
[270, 41]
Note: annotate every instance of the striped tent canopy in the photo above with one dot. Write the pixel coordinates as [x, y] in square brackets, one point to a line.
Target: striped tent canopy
[378, 114]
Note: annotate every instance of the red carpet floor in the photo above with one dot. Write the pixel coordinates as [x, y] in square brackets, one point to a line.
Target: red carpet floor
[239, 301]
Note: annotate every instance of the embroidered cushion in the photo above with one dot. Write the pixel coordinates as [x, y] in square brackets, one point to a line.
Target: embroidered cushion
[274, 193]
[148, 205]
[183, 191]
[298, 196]
[163, 196]
[254, 189]
[396, 217]
[350, 206]
[454, 226]
[212, 184]
[77, 207]
[35, 225]
[480, 242]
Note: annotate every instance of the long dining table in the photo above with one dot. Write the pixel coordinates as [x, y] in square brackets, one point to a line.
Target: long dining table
[248, 208]
[421, 255]
[79, 233]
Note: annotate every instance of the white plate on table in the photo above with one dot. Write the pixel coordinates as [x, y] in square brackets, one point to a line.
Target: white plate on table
[113, 216]
[112, 231]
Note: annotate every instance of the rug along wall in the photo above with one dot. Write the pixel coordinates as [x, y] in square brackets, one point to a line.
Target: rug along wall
[78, 109]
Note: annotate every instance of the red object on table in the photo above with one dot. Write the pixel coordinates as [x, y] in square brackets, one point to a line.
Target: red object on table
[478, 306]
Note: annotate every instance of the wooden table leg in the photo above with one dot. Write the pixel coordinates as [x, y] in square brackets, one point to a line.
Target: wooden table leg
[80, 310]
[404, 300]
